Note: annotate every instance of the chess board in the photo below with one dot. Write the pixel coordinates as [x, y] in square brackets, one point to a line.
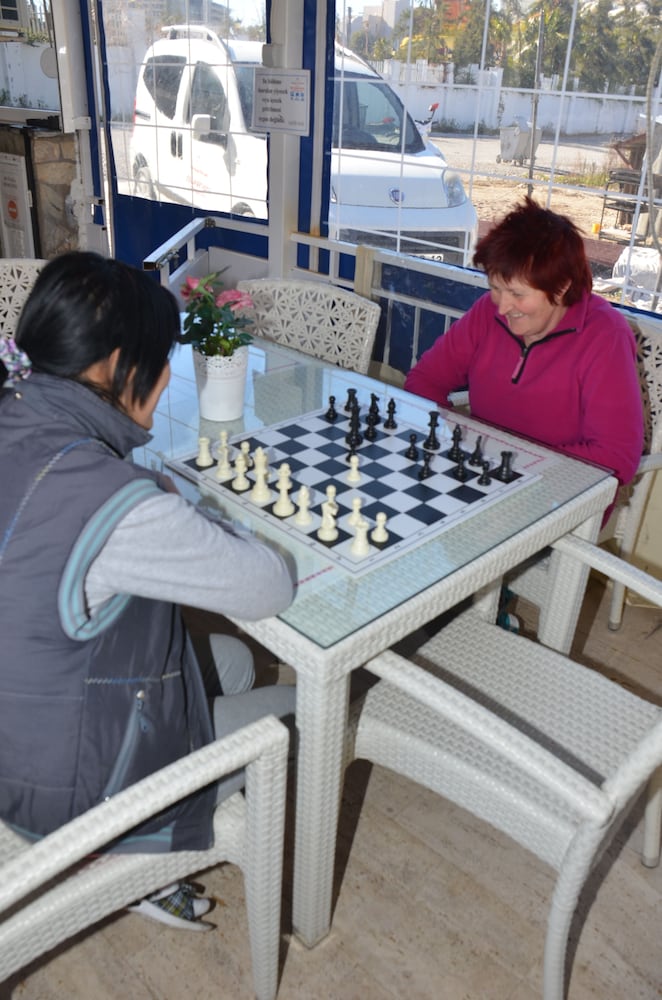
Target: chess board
[316, 451]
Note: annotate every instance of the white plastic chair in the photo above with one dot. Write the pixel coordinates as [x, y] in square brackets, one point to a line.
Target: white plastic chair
[323, 320]
[17, 276]
[530, 581]
[546, 750]
[47, 896]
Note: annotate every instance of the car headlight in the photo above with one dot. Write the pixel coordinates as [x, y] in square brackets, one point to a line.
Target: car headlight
[454, 189]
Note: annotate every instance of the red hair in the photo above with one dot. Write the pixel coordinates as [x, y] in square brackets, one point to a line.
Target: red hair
[543, 249]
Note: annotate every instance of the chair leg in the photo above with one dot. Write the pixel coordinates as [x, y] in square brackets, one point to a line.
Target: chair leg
[650, 855]
[616, 606]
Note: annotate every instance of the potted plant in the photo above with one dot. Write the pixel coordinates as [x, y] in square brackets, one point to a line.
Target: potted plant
[216, 326]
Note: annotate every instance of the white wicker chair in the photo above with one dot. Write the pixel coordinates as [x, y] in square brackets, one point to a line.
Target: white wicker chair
[323, 320]
[546, 750]
[17, 276]
[530, 581]
[47, 896]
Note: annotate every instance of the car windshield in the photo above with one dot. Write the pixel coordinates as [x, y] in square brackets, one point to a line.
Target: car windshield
[368, 115]
[245, 76]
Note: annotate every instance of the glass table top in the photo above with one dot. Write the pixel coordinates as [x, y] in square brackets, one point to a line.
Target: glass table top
[332, 603]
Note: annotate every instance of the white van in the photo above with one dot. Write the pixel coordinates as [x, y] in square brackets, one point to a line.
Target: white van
[192, 144]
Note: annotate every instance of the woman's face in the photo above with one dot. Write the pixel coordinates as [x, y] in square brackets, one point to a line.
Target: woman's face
[143, 413]
[527, 310]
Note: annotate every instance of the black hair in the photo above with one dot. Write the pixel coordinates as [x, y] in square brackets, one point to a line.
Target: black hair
[83, 307]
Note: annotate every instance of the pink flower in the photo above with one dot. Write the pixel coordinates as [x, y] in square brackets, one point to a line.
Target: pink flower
[189, 286]
[235, 299]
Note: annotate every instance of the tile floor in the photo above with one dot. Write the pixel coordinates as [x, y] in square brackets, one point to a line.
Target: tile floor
[431, 903]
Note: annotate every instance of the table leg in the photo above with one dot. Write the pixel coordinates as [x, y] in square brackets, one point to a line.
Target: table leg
[322, 721]
[567, 584]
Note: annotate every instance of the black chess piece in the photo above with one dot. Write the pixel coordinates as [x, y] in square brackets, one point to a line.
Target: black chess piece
[431, 442]
[412, 450]
[476, 457]
[354, 438]
[373, 410]
[425, 470]
[485, 479]
[351, 400]
[460, 471]
[331, 414]
[455, 453]
[370, 433]
[389, 423]
[505, 472]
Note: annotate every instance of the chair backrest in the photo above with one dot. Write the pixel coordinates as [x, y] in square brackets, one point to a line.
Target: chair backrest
[17, 276]
[319, 319]
[649, 366]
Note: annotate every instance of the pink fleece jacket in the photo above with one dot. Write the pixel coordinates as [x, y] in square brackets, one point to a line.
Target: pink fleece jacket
[577, 390]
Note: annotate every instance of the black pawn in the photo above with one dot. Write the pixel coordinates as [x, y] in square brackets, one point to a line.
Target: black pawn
[412, 450]
[485, 479]
[370, 432]
[431, 443]
[331, 414]
[426, 471]
[351, 400]
[455, 453]
[477, 454]
[460, 471]
[354, 438]
[389, 423]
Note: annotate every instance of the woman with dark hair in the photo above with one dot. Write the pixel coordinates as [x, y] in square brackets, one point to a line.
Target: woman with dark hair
[100, 684]
[540, 353]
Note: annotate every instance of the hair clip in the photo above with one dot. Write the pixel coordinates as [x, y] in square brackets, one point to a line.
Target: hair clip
[14, 359]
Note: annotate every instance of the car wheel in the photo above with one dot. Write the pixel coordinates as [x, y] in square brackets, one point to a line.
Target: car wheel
[143, 186]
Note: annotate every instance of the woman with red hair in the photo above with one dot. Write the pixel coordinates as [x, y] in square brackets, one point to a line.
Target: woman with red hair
[540, 353]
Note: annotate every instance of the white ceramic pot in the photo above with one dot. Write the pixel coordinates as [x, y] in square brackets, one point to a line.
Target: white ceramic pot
[221, 384]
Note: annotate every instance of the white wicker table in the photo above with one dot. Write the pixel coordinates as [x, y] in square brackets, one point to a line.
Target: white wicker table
[335, 626]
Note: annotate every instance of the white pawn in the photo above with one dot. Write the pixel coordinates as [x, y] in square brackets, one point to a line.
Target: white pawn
[354, 476]
[245, 448]
[240, 482]
[379, 533]
[303, 515]
[360, 546]
[283, 506]
[223, 467]
[204, 459]
[355, 516]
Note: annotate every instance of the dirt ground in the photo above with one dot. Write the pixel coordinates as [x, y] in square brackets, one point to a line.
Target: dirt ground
[493, 198]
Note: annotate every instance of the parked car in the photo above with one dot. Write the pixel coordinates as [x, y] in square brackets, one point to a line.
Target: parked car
[192, 143]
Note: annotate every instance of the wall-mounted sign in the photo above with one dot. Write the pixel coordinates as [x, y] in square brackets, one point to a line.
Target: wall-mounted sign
[281, 102]
[15, 213]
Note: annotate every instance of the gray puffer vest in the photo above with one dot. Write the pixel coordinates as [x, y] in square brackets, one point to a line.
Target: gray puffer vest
[87, 705]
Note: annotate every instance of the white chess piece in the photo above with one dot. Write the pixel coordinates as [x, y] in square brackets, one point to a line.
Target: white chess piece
[379, 533]
[331, 498]
[354, 476]
[360, 546]
[355, 516]
[327, 531]
[245, 448]
[223, 467]
[240, 482]
[303, 515]
[283, 506]
[204, 459]
[260, 492]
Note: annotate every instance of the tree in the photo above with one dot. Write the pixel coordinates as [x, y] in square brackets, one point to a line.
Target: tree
[469, 45]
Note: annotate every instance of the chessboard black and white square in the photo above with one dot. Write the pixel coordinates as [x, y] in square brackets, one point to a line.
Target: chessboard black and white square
[317, 454]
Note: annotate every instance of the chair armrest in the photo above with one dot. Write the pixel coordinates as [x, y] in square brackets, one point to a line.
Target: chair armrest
[484, 726]
[612, 566]
[105, 822]
[650, 463]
